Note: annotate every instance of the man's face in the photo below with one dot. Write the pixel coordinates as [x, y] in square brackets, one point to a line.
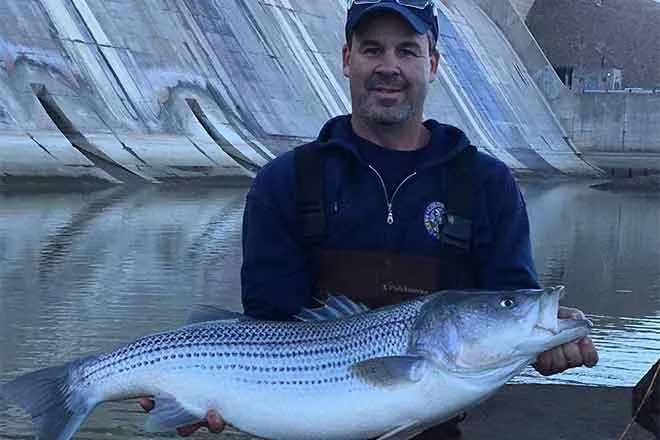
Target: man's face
[390, 67]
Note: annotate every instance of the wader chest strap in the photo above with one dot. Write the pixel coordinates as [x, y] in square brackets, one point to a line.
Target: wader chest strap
[310, 195]
[457, 230]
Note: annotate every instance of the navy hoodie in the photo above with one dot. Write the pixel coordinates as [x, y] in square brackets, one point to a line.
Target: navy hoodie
[275, 274]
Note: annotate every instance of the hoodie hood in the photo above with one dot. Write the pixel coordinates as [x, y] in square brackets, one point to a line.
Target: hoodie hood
[446, 141]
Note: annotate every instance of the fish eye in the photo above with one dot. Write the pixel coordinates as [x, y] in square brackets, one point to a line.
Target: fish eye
[507, 303]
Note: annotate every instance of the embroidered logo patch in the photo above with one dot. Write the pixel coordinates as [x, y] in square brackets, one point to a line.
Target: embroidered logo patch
[434, 216]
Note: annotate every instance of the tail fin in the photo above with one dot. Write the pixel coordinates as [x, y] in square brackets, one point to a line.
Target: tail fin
[57, 409]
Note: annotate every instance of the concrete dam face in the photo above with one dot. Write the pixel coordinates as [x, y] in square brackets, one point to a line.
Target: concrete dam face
[128, 90]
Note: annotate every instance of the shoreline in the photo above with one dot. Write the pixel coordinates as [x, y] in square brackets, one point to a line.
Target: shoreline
[648, 184]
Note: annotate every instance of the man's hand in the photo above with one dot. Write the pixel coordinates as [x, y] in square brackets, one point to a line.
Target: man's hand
[213, 421]
[574, 354]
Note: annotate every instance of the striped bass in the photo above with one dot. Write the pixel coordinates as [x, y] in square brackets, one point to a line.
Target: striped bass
[339, 372]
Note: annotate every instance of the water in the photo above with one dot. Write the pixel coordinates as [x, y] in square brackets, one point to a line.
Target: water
[605, 248]
[81, 273]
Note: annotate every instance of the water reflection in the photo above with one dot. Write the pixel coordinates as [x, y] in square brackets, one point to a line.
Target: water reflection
[80, 273]
[85, 270]
[605, 247]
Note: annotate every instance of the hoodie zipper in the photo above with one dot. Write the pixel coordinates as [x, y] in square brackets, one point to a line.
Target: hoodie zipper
[388, 200]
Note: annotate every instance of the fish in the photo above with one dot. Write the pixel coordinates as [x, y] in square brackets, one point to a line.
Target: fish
[338, 371]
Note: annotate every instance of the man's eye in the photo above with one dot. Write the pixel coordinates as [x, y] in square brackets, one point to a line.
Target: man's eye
[409, 53]
[371, 51]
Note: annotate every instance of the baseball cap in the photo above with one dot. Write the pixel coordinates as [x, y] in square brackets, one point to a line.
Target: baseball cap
[422, 15]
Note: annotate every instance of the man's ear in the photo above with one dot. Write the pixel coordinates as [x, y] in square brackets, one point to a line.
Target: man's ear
[346, 60]
[435, 62]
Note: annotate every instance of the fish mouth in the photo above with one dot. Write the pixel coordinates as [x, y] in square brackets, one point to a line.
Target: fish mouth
[549, 310]
[554, 330]
[564, 325]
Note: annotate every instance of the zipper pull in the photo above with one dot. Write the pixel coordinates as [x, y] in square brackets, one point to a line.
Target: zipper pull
[390, 215]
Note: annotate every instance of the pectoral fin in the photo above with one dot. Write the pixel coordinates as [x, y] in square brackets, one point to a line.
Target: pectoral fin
[404, 432]
[168, 414]
[389, 371]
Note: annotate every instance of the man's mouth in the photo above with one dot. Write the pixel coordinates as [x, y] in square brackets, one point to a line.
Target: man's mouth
[385, 90]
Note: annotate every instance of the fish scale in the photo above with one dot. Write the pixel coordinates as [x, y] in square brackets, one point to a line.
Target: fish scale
[253, 355]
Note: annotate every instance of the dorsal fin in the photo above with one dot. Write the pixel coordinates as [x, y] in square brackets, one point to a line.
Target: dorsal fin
[334, 307]
[205, 313]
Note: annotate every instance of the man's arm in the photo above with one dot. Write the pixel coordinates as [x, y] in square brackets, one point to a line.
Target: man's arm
[505, 261]
[275, 274]
[503, 251]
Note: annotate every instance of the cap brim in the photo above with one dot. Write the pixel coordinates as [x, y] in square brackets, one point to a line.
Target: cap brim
[419, 25]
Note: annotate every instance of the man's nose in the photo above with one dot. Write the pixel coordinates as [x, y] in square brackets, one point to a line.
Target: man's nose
[389, 63]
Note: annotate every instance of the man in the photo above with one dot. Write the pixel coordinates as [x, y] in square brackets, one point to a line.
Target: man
[384, 206]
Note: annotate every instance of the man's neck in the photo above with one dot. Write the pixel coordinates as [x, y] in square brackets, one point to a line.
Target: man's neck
[411, 135]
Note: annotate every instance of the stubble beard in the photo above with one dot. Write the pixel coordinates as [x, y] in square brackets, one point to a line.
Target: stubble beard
[388, 116]
[374, 112]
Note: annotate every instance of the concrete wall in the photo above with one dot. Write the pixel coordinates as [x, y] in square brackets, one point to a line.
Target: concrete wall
[559, 98]
[619, 130]
[484, 80]
[615, 131]
[162, 89]
[523, 6]
[621, 34]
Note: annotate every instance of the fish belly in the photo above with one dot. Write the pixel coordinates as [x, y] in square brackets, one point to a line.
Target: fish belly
[340, 412]
[312, 404]
[349, 410]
